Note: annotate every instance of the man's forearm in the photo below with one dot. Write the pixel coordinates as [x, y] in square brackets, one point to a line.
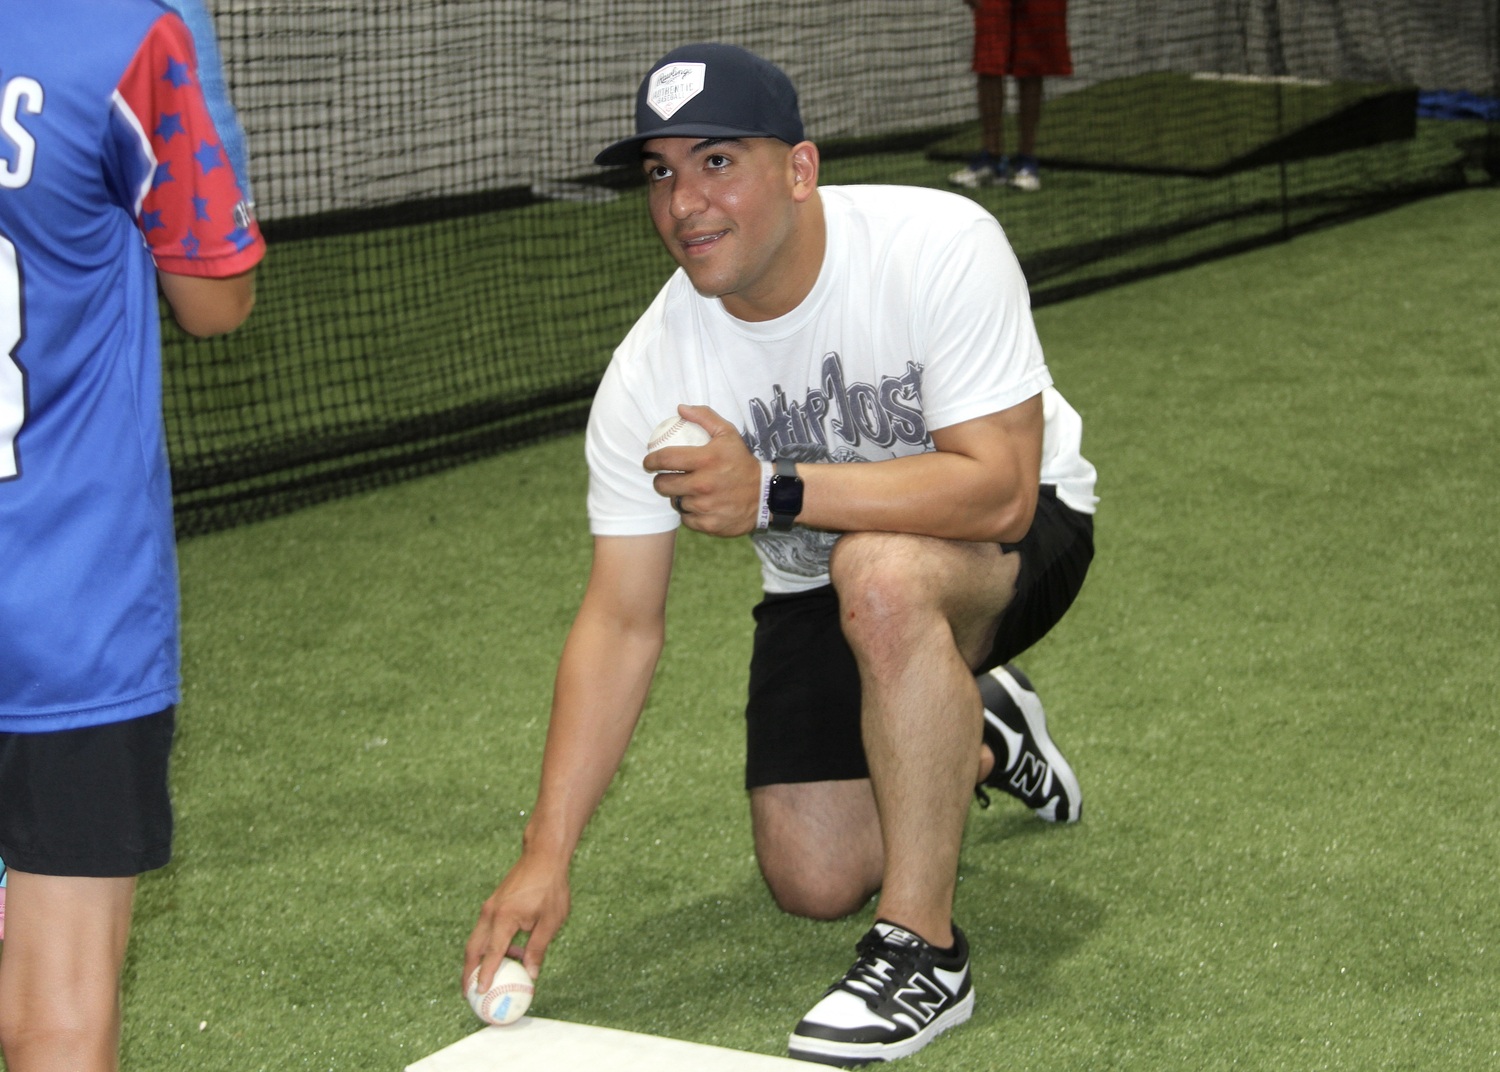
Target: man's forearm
[979, 485]
[936, 494]
[601, 688]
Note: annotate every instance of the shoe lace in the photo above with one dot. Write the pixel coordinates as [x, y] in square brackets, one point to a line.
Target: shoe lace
[879, 970]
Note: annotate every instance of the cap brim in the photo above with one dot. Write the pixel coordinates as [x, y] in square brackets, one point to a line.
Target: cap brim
[628, 151]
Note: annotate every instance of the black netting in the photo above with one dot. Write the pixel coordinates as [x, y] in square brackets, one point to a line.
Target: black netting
[448, 273]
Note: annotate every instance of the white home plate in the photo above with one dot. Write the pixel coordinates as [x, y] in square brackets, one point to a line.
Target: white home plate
[532, 1044]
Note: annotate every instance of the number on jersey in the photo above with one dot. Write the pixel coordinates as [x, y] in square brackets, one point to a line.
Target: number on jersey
[12, 376]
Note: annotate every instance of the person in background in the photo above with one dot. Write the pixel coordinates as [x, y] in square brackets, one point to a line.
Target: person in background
[114, 186]
[1028, 41]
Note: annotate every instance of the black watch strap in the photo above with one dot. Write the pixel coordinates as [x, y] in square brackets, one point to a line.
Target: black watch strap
[784, 496]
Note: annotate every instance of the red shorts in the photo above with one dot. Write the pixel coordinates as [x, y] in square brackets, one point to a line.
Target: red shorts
[1022, 38]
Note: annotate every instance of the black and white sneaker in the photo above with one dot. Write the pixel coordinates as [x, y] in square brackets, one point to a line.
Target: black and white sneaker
[1028, 765]
[899, 996]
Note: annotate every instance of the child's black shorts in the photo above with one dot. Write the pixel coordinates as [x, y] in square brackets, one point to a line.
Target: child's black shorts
[90, 802]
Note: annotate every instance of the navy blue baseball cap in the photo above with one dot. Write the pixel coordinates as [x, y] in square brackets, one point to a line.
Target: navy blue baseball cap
[710, 91]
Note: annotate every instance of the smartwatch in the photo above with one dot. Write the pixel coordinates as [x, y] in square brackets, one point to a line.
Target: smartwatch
[784, 494]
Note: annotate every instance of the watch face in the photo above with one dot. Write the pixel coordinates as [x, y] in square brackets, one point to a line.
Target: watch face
[785, 496]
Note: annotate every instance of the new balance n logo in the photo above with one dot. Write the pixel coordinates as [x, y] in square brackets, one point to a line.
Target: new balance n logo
[922, 998]
[1030, 773]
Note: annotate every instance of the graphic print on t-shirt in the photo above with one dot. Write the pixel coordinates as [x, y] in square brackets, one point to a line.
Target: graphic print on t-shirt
[837, 421]
[849, 421]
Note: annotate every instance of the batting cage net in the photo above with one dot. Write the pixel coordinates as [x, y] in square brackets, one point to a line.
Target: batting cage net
[449, 272]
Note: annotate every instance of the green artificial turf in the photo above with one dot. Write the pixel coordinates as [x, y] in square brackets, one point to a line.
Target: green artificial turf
[1189, 124]
[1095, 227]
[1278, 691]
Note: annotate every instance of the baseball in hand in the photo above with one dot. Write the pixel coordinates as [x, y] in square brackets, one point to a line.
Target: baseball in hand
[677, 432]
[508, 997]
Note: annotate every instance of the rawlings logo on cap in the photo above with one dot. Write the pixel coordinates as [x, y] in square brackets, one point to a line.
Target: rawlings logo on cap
[673, 86]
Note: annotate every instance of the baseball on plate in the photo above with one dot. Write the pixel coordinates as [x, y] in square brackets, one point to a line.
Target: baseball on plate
[677, 432]
[508, 997]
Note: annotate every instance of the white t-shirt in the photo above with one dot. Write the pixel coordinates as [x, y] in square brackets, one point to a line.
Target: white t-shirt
[920, 319]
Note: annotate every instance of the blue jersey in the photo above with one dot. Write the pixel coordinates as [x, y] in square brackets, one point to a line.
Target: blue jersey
[110, 169]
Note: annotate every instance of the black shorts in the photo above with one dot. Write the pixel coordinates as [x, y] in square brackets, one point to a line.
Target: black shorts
[90, 802]
[802, 718]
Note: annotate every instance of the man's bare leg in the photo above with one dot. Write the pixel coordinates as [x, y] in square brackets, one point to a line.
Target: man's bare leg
[919, 613]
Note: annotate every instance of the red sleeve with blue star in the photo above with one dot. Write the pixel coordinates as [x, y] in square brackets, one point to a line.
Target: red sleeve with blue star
[194, 215]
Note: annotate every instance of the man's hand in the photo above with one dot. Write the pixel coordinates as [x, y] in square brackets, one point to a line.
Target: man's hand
[533, 899]
[716, 488]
